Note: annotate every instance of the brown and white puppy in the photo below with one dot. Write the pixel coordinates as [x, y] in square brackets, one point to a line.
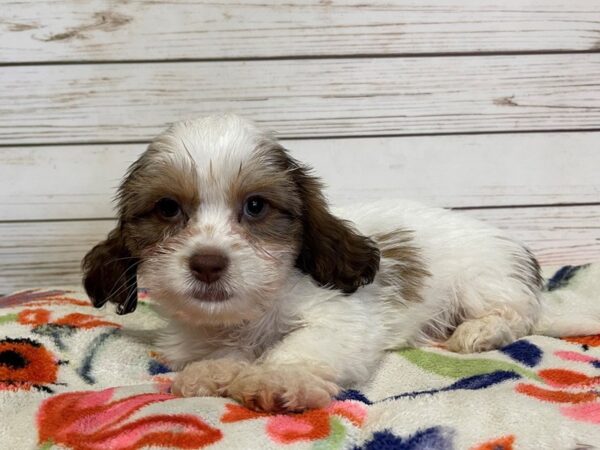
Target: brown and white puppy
[277, 302]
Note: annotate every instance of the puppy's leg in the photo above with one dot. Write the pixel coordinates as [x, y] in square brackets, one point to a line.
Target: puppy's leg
[501, 304]
[207, 378]
[293, 386]
[337, 346]
[487, 333]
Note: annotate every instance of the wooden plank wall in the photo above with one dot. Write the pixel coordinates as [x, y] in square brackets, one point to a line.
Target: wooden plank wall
[491, 107]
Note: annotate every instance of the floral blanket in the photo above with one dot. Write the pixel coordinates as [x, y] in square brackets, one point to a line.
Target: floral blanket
[70, 379]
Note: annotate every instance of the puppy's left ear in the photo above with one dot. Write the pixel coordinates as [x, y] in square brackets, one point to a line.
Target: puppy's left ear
[110, 273]
[332, 251]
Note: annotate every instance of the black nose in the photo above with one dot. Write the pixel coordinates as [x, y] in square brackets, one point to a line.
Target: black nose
[208, 267]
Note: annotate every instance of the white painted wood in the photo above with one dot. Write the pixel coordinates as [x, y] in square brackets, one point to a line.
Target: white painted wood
[308, 98]
[78, 182]
[45, 254]
[556, 235]
[69, 30]
[49, 254]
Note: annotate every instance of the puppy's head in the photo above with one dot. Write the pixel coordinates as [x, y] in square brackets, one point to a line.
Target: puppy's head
[215, 215]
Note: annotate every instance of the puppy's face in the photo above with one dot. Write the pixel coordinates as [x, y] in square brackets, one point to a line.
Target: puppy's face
[215, 215]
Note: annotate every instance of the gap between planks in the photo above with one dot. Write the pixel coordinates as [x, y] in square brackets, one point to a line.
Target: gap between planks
[324, 138]
[298, 57]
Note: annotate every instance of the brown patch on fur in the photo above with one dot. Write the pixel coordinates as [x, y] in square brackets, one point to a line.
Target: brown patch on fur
[264, 176]
[330, 250]
[527, 268]
[403, 264]
[333, 252]
[110, 267]
[275, 228]
[154, 176]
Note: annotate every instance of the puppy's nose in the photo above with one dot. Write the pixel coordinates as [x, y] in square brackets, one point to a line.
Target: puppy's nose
[208, 267]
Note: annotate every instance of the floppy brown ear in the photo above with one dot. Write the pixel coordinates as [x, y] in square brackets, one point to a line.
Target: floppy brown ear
[332, 251]
[110, 274]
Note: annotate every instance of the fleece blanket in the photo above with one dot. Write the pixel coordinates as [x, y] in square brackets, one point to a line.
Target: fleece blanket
[70, 379]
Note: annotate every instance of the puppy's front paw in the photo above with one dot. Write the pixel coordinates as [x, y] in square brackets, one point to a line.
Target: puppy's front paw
[284, 387]
[206, 378]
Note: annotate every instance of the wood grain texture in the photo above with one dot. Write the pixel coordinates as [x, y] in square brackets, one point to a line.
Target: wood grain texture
[44, 254]
[303, 98]
[556, 235]
[49, 254]
[78, 182]
[72, 30]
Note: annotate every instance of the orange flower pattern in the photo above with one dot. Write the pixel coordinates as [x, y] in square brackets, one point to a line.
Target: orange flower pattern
[40, 316]
[311, 425]
[95, 421]
[26, 364]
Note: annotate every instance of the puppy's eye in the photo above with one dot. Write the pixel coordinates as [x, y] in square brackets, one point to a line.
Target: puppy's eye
[168, 208]
[255, 207]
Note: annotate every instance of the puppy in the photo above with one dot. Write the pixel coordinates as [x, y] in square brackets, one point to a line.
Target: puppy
[277, 302]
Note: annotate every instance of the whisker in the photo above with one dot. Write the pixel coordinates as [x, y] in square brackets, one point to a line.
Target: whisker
[125, 307]
[112, 293]
[121, 289]
[124, 258]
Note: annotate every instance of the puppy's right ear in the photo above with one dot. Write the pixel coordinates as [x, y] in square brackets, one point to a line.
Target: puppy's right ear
[110, 273]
